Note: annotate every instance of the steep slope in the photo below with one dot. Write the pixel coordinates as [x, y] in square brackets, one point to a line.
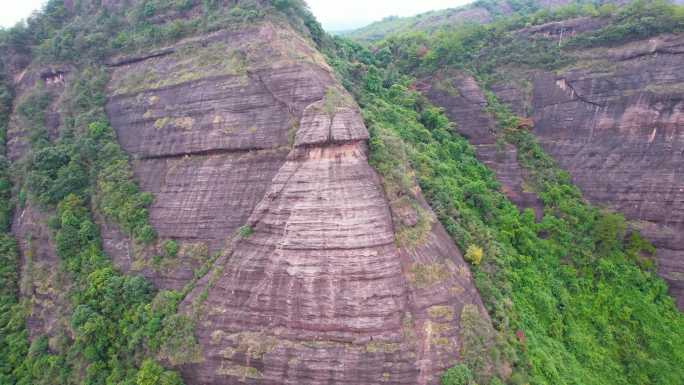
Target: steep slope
[612, 120]
[194, 188]
[609, 115]
[213, 135]
[271, 227]
[41, 280]
[617, 126]
[577, 261]
[465, 105]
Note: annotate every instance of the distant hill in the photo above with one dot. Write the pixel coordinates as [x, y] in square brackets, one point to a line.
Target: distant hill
[481, 11]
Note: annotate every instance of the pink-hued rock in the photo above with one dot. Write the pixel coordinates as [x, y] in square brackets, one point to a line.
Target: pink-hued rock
[247, 131]
[320, 292]
[618, 128]
[208, 126]
[614, 121]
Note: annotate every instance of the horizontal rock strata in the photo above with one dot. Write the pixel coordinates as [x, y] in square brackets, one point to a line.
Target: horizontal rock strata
[617, 126]
[253, 149]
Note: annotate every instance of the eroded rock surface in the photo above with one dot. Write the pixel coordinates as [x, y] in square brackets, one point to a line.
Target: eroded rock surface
[617, 125]
[41, 281]
[614, 120]
[253, 149]
[320, 292]
[209, 123]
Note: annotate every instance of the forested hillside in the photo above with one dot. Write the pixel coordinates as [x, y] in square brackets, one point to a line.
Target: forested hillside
[219, 192]
[553, 283]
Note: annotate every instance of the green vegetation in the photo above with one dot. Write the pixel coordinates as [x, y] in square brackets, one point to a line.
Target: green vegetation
[567, 295]
[245, 231]
[87, 150]
[6, 98]
[458, 375]
[90, 33]
[119, 325]
[482, 49]
[435, 21]
[170, 248]
[113, 325]
[152, 374]
[573, 297]
[640, 19]
[13, 337]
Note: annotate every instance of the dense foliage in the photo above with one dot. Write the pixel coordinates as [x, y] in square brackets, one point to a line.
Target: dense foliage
[119, 325]
[13, 338]
[117, 320]
[638, 19]
[90, 32]
[573, 296]
[483, 48]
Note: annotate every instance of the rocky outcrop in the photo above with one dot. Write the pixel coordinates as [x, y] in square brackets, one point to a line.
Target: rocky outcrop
[253, 150]
[320, 292]
[209, 126]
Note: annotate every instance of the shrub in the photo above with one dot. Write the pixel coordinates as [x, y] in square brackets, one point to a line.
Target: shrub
[151, 373]
[474, 254]
[170, 248]
[458, 375]
[245, 231]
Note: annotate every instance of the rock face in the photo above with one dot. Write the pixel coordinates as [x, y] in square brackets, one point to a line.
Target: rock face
[617, 125]
[254, 151]
[320, 293]
[614, 121]
[209, 128]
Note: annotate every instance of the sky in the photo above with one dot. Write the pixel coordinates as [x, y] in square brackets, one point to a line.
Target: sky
[16, 10]
[340, 15]
[335, 15]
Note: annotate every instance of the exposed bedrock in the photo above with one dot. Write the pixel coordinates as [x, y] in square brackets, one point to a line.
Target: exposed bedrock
[320, 293]
[617, 125]
[208, 126]
[253, 149]
[614, 121]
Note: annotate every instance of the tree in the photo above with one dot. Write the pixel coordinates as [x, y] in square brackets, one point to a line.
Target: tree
[151, 373]
[458, 375]
[474, 254]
